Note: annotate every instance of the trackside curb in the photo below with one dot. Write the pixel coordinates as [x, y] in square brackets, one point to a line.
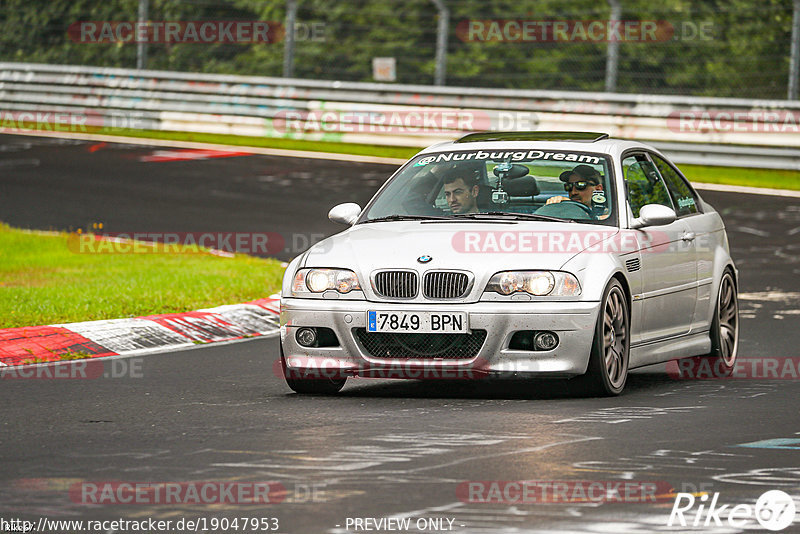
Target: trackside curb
[95, 339]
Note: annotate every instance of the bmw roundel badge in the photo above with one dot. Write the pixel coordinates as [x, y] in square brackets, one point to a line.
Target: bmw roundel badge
[424, 258]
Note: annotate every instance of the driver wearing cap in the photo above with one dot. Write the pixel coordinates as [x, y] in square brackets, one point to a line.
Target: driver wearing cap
[580, 183]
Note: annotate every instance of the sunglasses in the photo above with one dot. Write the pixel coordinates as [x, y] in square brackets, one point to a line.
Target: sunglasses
[580, 186]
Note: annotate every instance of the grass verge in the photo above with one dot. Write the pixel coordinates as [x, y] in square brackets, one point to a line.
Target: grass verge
[43, 282]
[769, 178]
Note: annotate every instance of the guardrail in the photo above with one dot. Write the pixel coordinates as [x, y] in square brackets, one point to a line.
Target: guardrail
[716, 131]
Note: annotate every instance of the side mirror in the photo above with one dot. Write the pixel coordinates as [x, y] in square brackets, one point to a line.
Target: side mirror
[654, 215]
[346, 213]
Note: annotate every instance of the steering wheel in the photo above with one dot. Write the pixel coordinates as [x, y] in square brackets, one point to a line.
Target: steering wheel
[583, 206]
[567, 204]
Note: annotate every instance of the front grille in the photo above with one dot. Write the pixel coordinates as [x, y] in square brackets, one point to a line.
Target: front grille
[421, 346]
[445, 285]
[396, 284]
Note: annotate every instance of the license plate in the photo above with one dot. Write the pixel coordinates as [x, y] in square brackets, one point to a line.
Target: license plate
[417, 322]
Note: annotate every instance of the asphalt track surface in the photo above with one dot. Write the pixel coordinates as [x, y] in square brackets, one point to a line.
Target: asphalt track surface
[381, 448]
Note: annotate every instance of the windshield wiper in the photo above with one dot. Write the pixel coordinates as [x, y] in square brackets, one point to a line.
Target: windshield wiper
[405, 218]
[509, 215]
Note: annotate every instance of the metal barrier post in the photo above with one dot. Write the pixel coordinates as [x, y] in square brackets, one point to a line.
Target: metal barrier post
[288, 46]
[794, 60]
[612, 59]
[141, 47]
[441, 42]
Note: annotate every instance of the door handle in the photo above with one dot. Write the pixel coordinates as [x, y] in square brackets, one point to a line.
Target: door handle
[688, 236]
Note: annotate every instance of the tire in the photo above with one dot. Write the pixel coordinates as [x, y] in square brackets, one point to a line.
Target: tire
[610, 354]
[725, 328]
[311, 386]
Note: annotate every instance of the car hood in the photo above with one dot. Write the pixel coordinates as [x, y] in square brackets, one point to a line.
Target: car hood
[483, 248]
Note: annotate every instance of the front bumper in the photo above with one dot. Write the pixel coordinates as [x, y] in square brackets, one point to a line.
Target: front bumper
[574, 323]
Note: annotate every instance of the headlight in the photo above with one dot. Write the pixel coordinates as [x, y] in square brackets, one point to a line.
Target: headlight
[319, 280]
[538, 283]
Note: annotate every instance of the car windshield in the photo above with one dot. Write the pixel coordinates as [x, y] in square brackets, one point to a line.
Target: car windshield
[499, 184]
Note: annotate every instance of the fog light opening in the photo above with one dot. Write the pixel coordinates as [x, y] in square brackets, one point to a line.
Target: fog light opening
[545, 341]
[307, 337]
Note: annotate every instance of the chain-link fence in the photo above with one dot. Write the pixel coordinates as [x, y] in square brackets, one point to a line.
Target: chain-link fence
[733, 48]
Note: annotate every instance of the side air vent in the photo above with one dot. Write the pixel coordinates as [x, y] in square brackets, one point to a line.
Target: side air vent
[633, 265]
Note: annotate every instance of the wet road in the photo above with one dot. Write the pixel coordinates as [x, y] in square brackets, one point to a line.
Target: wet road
[405, 450]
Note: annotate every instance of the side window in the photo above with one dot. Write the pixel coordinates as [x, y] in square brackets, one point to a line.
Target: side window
[682, 195]
[644, 183]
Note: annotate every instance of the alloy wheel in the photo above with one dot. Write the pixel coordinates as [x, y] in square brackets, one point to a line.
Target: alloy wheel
[615, 335]
[728, 318]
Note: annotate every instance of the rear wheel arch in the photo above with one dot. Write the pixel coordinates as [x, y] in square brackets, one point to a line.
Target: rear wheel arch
[723, 356]
[727, 267]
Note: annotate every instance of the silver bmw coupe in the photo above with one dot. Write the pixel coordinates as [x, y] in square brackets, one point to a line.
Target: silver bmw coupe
[515, 255]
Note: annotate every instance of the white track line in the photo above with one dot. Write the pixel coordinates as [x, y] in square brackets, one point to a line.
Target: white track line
[340, 157]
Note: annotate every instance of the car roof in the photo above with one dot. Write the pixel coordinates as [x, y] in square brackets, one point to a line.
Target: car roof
[556, 141]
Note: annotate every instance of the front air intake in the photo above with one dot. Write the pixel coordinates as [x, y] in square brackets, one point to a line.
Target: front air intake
[404, 346]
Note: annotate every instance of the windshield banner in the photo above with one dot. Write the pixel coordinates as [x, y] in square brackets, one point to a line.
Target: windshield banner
[512, 155]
